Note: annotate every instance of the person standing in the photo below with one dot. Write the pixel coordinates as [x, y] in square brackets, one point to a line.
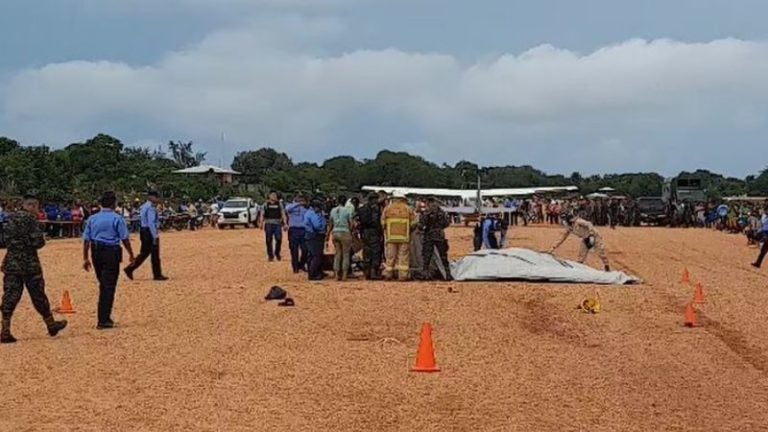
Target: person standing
[762, 234]
[21, 267]
[102, 237]
[150, 239]
[314, 236]
[340, 231]
[369, 217]
[273, 221]
[296, 211]
[398, 220]
[490, 241]
[590, 239]
[433, 223]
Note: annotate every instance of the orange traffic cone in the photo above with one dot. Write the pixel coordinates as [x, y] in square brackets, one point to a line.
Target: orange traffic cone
[686, 277]
[690, 316]
[425, 358]
[66, 305]
[698, 294]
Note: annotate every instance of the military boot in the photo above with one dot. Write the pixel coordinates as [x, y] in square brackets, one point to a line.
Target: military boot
[54, 327]
[5, 334]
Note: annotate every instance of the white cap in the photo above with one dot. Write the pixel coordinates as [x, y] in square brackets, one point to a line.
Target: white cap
[398, 194]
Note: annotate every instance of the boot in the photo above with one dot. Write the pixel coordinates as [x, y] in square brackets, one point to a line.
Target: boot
[5, 335]
[607, 268]
[54, 327]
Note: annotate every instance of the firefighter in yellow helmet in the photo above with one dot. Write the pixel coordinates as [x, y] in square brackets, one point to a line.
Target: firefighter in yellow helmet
[398, 221]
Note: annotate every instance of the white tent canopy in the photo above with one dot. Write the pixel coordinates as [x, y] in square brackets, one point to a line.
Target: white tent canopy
[597, 195]
[525, 264]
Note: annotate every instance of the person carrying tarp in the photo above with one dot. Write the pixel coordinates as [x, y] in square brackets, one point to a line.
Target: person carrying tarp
[398, 220]
[590, 239]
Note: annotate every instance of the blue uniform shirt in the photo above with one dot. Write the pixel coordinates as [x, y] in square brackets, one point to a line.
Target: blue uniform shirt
[487, 233]
[296, 214]
[106, 228]
[149, 218]
[314, 224]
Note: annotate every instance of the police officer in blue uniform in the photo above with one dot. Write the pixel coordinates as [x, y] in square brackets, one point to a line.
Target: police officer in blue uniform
[150, 239]
[103, 234]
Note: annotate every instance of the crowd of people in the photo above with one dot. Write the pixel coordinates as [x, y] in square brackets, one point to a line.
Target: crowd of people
[398, 238]
[729, 216]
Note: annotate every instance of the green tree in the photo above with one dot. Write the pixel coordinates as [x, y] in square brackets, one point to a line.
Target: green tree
[183, 154]
[256, 166]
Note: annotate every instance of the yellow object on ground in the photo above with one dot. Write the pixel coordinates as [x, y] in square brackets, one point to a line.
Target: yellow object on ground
[591, 306]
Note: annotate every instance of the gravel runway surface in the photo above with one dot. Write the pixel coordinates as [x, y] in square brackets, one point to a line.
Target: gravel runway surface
[205, 352]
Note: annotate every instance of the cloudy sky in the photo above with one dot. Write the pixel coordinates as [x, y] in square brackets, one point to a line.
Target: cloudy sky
[591, 85]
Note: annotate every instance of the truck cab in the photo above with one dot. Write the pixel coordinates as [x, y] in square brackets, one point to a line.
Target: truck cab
[652, 211]
[238, 212]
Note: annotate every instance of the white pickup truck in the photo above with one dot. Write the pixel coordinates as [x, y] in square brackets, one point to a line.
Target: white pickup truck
[239, 212]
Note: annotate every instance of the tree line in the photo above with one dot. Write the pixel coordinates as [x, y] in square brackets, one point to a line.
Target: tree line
[81, 171]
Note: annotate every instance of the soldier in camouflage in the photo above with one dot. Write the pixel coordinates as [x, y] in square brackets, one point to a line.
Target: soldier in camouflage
[21, 267]
[433, 223]
[371, 232]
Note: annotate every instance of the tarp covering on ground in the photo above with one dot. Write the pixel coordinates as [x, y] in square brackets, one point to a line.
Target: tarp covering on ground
[528, 265]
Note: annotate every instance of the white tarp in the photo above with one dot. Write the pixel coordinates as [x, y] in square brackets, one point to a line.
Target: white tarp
[525, 264]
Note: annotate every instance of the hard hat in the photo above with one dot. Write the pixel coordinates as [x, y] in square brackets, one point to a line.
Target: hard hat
[398, 195]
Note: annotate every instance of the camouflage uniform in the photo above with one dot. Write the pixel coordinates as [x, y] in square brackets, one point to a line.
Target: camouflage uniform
[433, 223]
[22, 268]
[369, 217]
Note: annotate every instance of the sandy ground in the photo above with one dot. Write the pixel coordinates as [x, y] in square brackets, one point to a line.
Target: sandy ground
[205, 352]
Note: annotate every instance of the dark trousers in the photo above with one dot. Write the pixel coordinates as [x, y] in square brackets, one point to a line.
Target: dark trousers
[106, 264]
[514, 217]
[372, 251]
[428, 251]
[13, 287]
[298, 248]
[315, 251]
[763, 252]
[148, 248]
[274, 233]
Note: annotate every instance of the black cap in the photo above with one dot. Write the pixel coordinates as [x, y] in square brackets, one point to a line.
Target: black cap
[153, 193]
[30, 196]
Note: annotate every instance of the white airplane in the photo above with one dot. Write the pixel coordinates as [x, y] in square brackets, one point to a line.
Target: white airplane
[466, 194]
[471, 199]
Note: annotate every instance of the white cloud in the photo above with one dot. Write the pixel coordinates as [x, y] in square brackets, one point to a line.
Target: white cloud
[619, 107]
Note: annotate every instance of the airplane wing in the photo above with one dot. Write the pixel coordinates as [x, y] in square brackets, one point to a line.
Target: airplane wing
[459, 193]
[528, 191]
[469, 193]
[465, 210]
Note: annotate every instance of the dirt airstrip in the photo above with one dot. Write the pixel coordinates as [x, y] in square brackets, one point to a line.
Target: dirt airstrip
[204, 352]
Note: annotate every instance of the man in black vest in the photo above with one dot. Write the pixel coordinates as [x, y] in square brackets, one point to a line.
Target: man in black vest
[273, 220]
[369, 217]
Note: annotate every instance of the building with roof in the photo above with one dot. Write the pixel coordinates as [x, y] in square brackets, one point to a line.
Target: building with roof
[223, 175]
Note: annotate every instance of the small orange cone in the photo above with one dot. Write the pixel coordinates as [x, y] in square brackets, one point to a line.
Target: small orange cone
[686, 277]
[66, 305]
[425, 358]
[690, 316]
[698, 294]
